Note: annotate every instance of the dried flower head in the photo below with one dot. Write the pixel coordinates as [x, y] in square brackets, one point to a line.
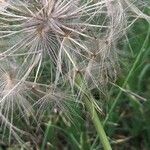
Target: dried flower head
[48, 27]
[55, 101]
[15, 103]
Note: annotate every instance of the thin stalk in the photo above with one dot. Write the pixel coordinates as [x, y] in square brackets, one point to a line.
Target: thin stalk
[137, 60]
[98, 125]
[88, 101]
[46, 136]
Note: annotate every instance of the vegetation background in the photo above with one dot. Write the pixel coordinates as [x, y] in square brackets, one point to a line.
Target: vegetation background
[129, 126]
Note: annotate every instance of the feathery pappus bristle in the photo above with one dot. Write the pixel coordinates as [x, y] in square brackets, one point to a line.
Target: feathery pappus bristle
[15, 103]
[45, 44]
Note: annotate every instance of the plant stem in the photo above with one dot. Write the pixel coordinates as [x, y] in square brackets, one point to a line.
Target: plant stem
[88, 101]
[46, 136]
[98, 125]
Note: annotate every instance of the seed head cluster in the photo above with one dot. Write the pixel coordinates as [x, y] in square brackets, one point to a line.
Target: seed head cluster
[44, 44]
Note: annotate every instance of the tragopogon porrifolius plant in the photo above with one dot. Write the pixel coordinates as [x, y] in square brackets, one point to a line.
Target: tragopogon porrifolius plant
[53, 54]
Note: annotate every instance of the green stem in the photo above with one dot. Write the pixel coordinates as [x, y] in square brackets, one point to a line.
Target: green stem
[98, 125]
[88, 101]
[46, 136]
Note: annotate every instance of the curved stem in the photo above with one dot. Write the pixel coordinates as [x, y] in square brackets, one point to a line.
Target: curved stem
[98, 125]
[88, 101]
